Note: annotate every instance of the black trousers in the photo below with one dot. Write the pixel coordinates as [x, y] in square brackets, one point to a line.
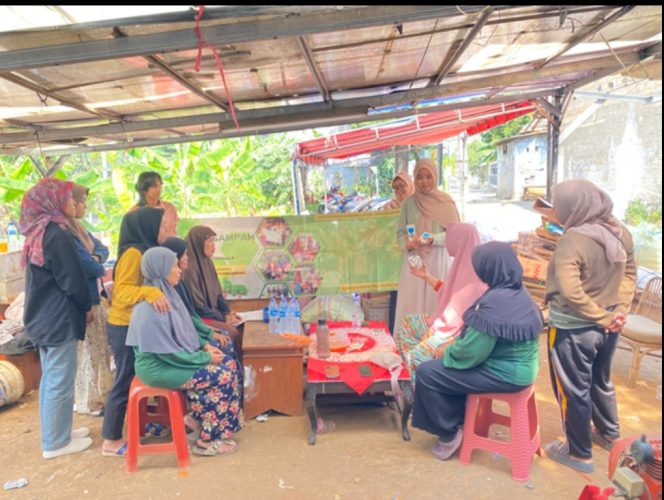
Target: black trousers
[440, 395]
[116, 402]
[580, 368]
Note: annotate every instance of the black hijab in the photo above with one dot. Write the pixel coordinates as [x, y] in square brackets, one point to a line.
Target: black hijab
[179, 246]
[140, 229]
[506, 309]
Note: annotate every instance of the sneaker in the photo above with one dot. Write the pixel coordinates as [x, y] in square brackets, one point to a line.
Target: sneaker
[74, 446]
[442, 450]
[81, 432]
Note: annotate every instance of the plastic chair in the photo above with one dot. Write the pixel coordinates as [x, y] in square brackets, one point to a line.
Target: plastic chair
[138, 416]
[643, 329]
[523, 423]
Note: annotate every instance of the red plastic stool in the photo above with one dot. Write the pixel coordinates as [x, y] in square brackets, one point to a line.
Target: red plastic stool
[523, 423]
[137, 415]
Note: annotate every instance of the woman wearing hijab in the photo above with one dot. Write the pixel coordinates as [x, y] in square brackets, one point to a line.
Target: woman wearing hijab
[497, 351]
[429, 210]
[57, 300]
[141, 230]
[169, 353]
[148, 187]
[202, 282]
[94, 376]
[589, 289]
[420, 336]
[402, 185]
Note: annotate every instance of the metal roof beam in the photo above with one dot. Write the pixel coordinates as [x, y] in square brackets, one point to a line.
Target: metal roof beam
[25, 83]
[173, 41]
[615, 97]
[313, 68]
[606, 63]
[587, 33]
[166, 68]
[310, 119]
[451, 61]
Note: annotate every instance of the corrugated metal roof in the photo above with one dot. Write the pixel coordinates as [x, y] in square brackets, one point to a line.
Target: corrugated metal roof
[117, 83]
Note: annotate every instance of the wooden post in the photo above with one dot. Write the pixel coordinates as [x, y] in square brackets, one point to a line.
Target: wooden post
[553, 142]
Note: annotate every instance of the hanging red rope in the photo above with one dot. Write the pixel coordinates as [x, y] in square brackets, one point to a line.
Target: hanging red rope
[197, 66]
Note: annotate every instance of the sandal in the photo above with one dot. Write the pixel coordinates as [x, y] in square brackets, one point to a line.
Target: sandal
[559, 452]
[215, 448]
[120, 452]
[601, 441]
[153, 429]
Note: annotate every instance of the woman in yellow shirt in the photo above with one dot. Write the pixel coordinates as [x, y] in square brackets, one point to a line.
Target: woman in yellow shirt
[141, 229]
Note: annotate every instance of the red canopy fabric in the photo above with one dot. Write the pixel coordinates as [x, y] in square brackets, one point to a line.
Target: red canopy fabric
[420, 129]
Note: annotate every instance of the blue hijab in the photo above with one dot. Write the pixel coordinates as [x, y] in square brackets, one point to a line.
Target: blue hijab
[155, 332]
[506, 310]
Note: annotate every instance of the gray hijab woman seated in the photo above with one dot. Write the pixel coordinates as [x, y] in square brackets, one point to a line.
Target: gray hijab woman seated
[170, 354]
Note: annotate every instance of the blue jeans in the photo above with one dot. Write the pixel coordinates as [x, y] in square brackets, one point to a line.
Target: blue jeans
[56, 394]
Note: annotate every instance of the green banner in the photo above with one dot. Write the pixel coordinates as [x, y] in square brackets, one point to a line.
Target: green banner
[256, 257]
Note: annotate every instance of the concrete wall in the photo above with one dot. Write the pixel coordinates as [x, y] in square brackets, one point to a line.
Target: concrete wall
[520, 163]
[619, 147]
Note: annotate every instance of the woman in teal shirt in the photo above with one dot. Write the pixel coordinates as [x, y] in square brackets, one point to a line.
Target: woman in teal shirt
[169, 353]
[498, 350]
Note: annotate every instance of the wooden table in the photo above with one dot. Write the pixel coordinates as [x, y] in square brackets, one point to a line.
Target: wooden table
[274, 366]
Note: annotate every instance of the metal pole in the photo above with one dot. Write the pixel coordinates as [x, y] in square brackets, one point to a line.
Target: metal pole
[296, 195]
[553, 142]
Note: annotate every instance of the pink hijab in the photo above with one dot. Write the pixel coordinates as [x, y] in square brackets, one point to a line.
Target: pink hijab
[462, 287]
[402, 175]
[44, 202]
[434, 206]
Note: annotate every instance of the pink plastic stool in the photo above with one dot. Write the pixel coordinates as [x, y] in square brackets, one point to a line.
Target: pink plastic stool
[523, 423]
[137, 417]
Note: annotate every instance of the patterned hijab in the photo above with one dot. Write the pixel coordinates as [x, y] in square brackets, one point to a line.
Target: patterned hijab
[462, 287]
[584, 208]
[161, 333]
[506, 310]
[201, 277]
[79, 193]
[434, 206]
[43, 203]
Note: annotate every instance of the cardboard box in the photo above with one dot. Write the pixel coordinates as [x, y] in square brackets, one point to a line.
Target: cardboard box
[532, 268]
[10, 288]
[10, 265]
[377, 307]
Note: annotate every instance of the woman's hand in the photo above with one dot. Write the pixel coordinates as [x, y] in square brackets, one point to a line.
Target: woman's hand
[162, 304]
[215, 353]
[419, 271]
[412, 244]
[234, 319]
[221, 338]
[617, 324]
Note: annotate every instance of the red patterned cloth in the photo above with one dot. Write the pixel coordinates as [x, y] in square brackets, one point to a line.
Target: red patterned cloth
[349, 371]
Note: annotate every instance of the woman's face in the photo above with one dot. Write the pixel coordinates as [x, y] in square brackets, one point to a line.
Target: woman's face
[70, 207]
[81, 206]
[400, 189]
[208, 247]
[173, 277]
[424, 181]
[153, 194]
[184, 261]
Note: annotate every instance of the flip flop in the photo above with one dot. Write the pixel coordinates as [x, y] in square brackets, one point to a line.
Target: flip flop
[119, 453]
[600, 440]
[559, 452]
[215, 449]
[153, 429]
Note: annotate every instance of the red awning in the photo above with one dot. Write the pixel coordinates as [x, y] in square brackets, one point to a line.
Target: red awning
[420, 129]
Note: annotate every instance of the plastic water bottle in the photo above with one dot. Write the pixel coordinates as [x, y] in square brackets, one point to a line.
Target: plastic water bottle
[283, 308]
[290, 317]
[274, 315]
[12, 236]
[322, 339]
[297, 316]
[357, 314]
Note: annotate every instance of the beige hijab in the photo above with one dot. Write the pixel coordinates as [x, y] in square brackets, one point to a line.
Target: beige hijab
[434, 206]
[584, 208]
[402, 175]
[78, 193]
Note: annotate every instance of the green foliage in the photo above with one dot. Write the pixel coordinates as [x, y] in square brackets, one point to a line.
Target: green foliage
[638, 213]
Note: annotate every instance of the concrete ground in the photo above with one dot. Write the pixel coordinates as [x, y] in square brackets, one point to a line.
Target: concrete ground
[364, 458]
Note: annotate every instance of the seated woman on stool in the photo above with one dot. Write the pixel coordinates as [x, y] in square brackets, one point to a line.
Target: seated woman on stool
[170, 354]
[497, 351]
[202, 282]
